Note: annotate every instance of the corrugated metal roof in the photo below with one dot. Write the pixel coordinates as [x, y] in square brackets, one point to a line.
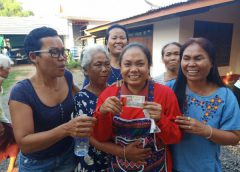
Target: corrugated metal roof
[23, 25]
[163, 11]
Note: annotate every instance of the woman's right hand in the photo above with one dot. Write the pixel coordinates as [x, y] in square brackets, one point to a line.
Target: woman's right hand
[136, 153]
[111, 104]
[81, 126]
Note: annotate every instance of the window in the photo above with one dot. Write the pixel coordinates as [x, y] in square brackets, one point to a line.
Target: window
[220, 34]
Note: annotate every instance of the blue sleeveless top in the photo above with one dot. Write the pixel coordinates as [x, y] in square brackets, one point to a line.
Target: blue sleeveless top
[46, 118]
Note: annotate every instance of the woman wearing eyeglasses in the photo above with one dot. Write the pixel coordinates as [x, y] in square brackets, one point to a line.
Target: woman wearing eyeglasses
[41, 107]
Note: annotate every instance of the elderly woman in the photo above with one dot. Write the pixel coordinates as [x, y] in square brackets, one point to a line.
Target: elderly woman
[211, 112]
[115, 40]
[170, 58]
[96, 66]
[138, 110]
[41, 107]
[8, 146]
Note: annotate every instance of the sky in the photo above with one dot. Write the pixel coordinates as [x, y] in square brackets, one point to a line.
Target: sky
[100, 9]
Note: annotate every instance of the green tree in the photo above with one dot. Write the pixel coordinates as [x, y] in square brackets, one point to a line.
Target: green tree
[13, 8]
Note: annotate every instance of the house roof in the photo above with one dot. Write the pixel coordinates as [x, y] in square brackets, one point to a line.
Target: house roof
[172, 10]
[23, 25]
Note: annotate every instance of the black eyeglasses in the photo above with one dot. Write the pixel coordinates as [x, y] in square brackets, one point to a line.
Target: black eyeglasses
[55, 52]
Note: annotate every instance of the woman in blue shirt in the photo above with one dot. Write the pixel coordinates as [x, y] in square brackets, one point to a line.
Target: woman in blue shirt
[211, 112]
[115, 40]
[41, 107]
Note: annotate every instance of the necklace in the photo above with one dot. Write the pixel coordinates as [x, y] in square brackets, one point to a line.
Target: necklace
[115, 77]
[61, 111]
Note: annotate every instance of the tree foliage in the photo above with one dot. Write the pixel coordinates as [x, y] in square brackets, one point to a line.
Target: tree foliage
[13, 8]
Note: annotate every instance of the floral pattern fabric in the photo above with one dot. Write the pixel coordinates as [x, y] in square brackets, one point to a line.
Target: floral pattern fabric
[219, 110]
[96, 160]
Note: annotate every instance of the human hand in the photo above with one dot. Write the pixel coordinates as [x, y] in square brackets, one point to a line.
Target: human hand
[2, 129]
[191, 125]
[136, 153]
[81, 126]
[154, 109]
[111, 104]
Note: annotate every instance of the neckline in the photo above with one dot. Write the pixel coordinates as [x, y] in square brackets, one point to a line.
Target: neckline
[208, 96]
[113, 69]
[57, 105]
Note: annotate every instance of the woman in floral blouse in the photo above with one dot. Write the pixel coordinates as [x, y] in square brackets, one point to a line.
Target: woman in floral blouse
[96, 66]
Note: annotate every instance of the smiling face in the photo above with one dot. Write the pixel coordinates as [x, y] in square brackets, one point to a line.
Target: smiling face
[195, 63]
[117, 40]
[47, 64]
[134, 68]
[171, 57]
[98, 69]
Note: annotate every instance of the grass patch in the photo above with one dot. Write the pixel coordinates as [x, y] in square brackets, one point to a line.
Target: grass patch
[7, 83]
[72, 64]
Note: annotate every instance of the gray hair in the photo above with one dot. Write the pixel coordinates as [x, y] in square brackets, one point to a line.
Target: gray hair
[89, 52]
[5, 61]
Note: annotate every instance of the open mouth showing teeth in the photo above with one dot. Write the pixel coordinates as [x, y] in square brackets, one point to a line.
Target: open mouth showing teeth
[192, 71]
[133, 76]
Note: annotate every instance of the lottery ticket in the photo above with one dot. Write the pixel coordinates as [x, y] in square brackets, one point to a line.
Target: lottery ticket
[132, 101]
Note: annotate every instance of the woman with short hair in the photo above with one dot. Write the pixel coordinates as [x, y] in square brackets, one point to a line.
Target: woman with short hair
[96, 67]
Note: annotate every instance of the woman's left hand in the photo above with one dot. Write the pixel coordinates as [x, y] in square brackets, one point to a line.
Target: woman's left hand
[154, 109]
[191, 125]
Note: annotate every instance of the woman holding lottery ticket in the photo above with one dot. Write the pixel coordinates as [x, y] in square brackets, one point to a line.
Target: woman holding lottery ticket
[138, 110]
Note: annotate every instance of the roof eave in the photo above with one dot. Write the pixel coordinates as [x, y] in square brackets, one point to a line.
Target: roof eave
[174, 9]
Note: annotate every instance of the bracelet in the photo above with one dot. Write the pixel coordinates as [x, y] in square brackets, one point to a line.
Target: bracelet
[124, 154]
[210, 135]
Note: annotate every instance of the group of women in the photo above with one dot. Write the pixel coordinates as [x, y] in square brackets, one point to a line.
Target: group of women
[135, 123]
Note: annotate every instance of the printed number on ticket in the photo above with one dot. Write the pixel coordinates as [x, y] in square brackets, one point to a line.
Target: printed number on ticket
[132, 101]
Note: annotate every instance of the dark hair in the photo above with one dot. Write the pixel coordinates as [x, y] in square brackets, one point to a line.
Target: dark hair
[7, 138]
[32, 41]
[213, 76]
[113, 27]
[171, 43]
[144, 49]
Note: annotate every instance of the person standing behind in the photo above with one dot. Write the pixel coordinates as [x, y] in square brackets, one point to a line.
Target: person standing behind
[170, 58]
[96, 66]
[8, 146]
[116, 39]
[211, 112]
[44, 103]
[156, 109]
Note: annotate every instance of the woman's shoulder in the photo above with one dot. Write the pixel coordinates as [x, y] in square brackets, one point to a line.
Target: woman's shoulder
[110, 90]
[162, 88]
[85, 94]
[22, 85]
[22, 91]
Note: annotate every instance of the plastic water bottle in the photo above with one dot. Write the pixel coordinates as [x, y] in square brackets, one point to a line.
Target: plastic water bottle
[81, 146]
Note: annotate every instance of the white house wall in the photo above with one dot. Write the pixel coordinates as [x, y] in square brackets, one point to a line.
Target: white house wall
[164, 32]
[228, 14]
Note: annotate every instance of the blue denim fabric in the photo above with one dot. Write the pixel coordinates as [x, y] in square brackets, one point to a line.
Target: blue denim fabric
[65, 162]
